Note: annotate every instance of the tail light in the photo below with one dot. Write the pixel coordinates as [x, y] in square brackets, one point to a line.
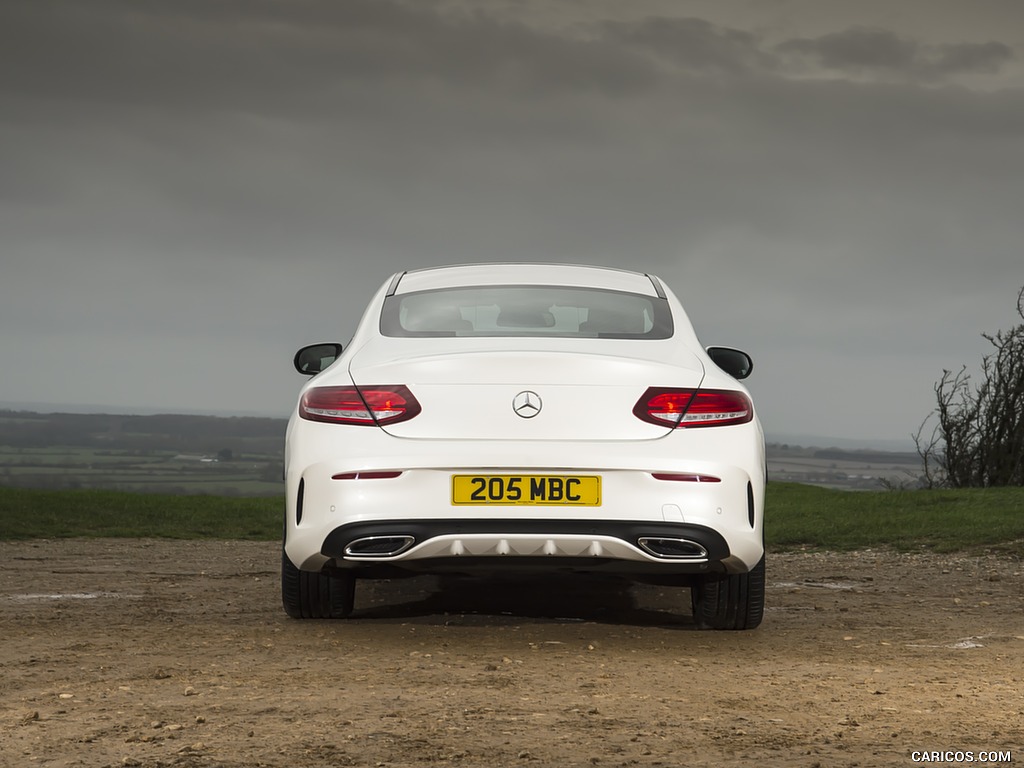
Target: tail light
[367, 406]
[678, 408]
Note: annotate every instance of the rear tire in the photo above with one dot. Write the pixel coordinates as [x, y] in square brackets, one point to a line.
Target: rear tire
[729, 601]
[308, 595]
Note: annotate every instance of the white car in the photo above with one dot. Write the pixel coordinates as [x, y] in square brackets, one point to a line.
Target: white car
[530, 416]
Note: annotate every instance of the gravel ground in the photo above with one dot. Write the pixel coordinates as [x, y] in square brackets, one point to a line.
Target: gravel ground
[163, 653]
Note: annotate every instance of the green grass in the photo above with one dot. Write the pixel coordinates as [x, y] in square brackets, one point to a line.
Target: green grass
[798, 516]
[32, 514]
[940, 520]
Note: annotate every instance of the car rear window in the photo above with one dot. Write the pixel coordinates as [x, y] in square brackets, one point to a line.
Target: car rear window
[515, 310]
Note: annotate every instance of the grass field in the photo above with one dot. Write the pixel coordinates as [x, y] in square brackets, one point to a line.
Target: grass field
[798, 516]
[940, 520]
[161, 471]
[34, 514]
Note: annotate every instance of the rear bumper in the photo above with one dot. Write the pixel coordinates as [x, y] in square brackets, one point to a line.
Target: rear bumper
[723, 521]
[457, 545]
[643, 524]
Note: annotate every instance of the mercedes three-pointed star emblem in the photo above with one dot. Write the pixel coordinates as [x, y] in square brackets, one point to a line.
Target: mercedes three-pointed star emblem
[527, 404]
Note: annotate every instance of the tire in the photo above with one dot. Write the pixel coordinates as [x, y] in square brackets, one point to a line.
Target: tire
[315, 595]
[729, 601]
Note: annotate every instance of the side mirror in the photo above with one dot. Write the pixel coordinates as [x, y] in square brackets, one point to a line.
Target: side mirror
[736, 363]
[316, 357]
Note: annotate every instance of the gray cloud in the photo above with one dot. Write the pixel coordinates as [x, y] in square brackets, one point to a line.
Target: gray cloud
[693, 44]
[880, 52]
[191, 188]
[857, 49]
[973, 57]
[314, 57]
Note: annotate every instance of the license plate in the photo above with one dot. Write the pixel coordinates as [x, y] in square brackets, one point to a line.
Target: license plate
[573, 490]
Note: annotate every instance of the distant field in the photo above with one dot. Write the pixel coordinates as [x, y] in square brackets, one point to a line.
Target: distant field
[162, 454]
[844, 469]
[798, 516]
[157, 471]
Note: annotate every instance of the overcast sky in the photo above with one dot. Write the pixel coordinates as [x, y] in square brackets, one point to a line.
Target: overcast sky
[192, 189]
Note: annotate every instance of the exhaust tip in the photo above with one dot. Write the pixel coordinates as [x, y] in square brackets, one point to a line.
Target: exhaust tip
[669, 547]
[379, 546]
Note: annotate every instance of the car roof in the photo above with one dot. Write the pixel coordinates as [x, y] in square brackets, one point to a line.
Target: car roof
[525, 274]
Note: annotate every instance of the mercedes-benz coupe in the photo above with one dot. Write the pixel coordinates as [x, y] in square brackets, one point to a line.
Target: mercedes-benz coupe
[543, 417]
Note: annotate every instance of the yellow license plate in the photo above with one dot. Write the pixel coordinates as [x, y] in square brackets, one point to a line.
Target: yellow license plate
[575, 490]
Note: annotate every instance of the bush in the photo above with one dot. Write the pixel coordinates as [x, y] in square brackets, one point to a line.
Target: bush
[978, 441]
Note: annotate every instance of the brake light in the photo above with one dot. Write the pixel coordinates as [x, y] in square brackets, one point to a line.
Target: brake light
[367, 406]
[669, 407]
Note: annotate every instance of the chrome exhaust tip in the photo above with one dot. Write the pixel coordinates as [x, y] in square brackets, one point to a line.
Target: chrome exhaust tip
[379, 546]
[672, 548]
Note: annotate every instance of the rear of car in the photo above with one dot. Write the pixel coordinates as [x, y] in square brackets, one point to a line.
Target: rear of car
[524, 416]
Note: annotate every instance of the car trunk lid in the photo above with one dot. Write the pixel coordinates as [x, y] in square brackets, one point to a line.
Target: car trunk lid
[578, 389]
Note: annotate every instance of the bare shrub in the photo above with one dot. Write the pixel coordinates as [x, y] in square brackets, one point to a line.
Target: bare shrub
[977, 440]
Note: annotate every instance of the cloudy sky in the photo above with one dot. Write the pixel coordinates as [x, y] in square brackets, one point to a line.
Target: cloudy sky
[191, 189]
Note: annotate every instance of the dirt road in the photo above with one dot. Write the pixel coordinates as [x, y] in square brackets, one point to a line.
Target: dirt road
[156, 653]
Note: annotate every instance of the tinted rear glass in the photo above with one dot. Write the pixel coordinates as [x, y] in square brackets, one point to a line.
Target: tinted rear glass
[515, 310]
